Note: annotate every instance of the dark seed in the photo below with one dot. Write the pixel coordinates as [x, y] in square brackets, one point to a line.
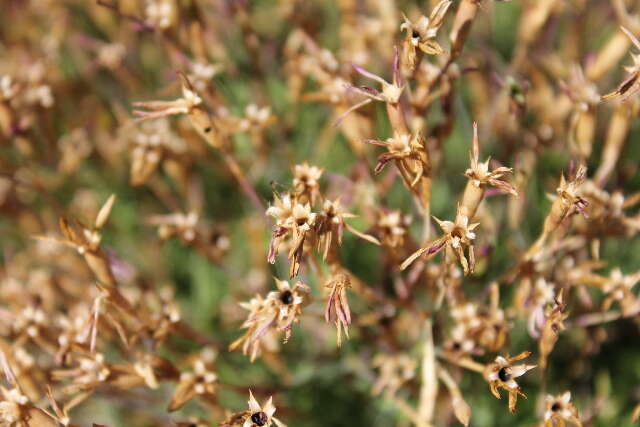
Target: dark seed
[415, 34]
[555, 407]
[503, 375]
[286, 297]
[207, 129]
[259, 418]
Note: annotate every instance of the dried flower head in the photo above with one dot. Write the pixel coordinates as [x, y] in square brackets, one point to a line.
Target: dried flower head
[274, 314]
[630, 85]
[257, 415]
[479, 172]
[408, 152]
[502, 374]
[392, 228]
[560, 412]
[201, 381]
[395, 370]
[86, 240]
[390, 93]
[420, 34]
[191, 104]
[337, 308]
[457, 236]
[306, 182]
[618, 288]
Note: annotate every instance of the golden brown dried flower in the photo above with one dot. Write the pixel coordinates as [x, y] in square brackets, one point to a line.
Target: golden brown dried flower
[261, 415]
[502, 374]
[457, 237]
[630, 85]
[337, 307]
[395, 370]
[560, 412]
[420, 34]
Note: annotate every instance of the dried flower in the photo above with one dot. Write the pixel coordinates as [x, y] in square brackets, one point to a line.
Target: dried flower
[337, 308]
[457, 236]
[421, 34]
[480, 176]
[630, 85]
[560, 411]
[395, 370]
[502, 374]
[554, 317]
[618, 288]
[275, 313]
[257, 415]
[390, 92]
[306, 182]
[409, 153]
[86, 240]
[202, 381]
[392, 228]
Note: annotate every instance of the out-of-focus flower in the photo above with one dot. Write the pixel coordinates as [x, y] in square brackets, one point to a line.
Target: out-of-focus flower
[560, 412]
[630, 85]
[201, 381]
[159, 13]
[395, 370]
[421, 34]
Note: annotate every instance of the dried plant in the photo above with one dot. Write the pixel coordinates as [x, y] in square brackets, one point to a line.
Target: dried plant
[189, 151]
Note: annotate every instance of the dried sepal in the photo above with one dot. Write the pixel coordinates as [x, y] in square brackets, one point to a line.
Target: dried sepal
[337, 307]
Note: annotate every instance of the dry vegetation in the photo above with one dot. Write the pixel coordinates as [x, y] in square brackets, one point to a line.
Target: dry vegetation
[361, 212]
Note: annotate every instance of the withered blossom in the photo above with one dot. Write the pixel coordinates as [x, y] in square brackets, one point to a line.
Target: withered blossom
[202, 73]
[209, 240]
[457, 237]
[86, 240]
[257, 118]
[585, 97]
[390, 93]
[306, 182]
[392, 228]
[159, 13]
[257, 415]
[330, 224]
[292, 299]
[631, 84]
[202, 381]
[259, 324]
[568, 200]
[75, 148]
[408, 152]
[190, 104]
[421, 34]
[298, 222]
[554, 317]
[560, 412]
[502, 374]
[337, 307]
[395, 370]
[152, 143]
[481, 176]
[274, 314]
[618, 288]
